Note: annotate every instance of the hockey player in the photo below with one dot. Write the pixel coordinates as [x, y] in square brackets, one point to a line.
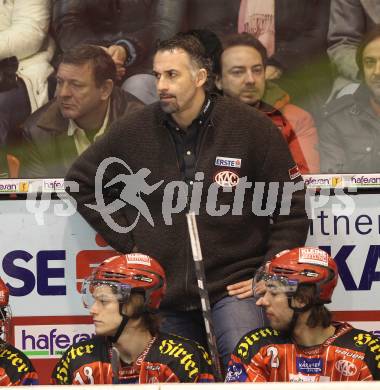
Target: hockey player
[302, 344]
[123, 295]
[15, 368]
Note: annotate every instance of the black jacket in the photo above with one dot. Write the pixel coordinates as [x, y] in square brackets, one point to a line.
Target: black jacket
[49, 151]
[233, 246]
[350, 135]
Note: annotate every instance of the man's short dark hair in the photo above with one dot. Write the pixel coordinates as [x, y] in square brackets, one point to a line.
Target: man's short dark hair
[243, 39]
[367, 39]
[188, 43]
[102, 64]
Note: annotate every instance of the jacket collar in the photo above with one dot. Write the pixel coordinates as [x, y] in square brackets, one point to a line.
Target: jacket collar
[362, 101]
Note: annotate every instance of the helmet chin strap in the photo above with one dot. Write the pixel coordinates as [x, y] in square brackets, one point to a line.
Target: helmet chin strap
[122, 324]
[296, 312]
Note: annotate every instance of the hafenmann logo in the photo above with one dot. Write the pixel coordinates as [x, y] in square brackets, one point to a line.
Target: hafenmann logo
[50, 341]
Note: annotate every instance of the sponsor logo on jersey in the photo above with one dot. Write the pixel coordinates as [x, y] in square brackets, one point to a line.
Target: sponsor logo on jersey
[307, 378]
[178, 351]
[227, 179]
[313, 256]
[345, 367]
[309, 365]
[236, 373]
[228, 162]
[14, 358]
[294, 172]
[350, 354]
[249, 340]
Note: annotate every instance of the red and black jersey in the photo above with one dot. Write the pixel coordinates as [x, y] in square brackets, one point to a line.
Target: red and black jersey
[15, 367]
[265, 355]
[168, 358]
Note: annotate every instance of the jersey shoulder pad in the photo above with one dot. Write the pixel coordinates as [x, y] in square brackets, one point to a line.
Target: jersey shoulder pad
[186, 358]
[251, 343]
[352, 338]
[15, 363]
[77, 355]
[371, 344]
[363, 343]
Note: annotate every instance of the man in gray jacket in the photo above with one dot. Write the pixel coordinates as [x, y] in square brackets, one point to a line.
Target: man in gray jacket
[86, 104]
[350, 135]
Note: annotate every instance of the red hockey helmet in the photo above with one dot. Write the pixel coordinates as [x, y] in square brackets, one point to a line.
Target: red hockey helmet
[133, 272]
[5, 311]
[305, 265]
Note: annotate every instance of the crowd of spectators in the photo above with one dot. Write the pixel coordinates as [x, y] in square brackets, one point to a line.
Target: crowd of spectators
[310, 64]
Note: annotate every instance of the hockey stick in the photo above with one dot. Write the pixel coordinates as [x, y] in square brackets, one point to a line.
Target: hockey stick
[205, 300]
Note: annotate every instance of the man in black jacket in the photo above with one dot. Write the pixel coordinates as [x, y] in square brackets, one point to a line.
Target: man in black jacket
[87, 103]
[195, 151]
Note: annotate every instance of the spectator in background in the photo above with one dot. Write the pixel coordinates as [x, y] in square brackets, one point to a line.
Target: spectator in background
[86, 104]
[24, 29]
[124, 28]
[350, 20]
[302, 344]
[295, 35]
[15, 367]
[183, 15]
[242, 76]
[350, 135]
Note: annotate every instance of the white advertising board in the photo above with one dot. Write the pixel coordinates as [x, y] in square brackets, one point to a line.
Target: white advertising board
[45, 256]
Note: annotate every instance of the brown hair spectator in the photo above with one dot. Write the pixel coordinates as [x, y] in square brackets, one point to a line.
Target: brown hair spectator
[103, 66]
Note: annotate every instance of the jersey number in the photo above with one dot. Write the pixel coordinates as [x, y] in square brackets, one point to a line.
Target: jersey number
[274, 360]
[89, 380]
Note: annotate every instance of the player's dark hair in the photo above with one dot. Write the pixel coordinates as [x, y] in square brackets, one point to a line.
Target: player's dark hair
[319, 314]
[150, 321]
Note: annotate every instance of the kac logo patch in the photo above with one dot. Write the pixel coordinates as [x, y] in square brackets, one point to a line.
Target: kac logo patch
[227, 179]
[345, 367]
[309, 365]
